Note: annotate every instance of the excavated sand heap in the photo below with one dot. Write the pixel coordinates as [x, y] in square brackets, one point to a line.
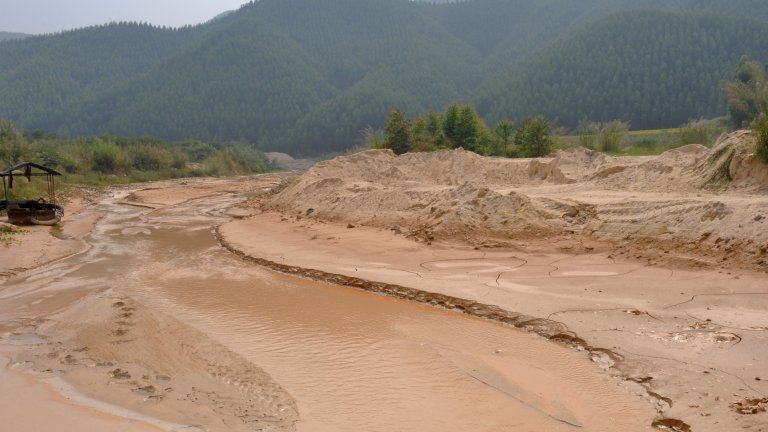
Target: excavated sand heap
[447, 191]
[733, 165]
[690, 197]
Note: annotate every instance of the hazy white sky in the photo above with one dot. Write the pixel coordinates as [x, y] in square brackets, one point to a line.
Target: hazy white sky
[45, 16]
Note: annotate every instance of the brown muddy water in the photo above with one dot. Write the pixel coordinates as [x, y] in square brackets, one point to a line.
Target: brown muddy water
[354, 361]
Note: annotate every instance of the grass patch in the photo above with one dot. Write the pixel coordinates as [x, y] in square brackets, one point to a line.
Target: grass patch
[653, 142]
[9, 234]
[654, 132]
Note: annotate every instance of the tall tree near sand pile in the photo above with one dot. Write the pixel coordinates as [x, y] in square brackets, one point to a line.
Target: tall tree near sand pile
[532, 138]
[747, 93]
[588, 134]
[464, 128]
[505, 130]
[451, 128]
[398, 132]
[606, 137]
[611, 135]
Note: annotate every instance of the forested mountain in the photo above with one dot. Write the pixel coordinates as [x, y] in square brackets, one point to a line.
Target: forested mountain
[649, 67]
[9, 35]
[44, 78]
[306, 76]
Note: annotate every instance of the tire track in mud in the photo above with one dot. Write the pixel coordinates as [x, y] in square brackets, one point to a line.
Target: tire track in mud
[549, 329]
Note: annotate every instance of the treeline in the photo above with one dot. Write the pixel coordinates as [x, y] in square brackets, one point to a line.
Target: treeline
[460, 127]
[115, 159]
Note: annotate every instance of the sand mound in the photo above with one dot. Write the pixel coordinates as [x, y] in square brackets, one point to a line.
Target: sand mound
[449, 168]
[672, 171]
[441, 192]
[732, 164]
[686, 196]
[570, 166]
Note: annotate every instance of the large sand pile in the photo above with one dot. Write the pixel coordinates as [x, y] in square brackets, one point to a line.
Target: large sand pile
[690, 197]
[447, 192]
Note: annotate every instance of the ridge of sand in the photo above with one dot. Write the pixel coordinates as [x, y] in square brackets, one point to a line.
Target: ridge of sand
[23, 397]
[708, 206]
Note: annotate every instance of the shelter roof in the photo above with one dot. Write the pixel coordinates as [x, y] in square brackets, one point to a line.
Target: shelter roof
[26, 170]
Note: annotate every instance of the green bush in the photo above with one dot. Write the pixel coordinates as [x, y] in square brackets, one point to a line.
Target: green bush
[105, 156]
[398, 132]
[606, 137]
[532, 138]
[612, 135]
[150, 158]
[698, 132]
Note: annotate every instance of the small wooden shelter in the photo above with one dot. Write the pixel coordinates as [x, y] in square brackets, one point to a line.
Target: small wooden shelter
[31, 212]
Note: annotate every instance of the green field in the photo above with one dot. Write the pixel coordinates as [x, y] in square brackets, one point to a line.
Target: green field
[656, 141]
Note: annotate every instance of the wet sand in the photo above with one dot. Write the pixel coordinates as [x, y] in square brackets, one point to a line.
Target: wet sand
[696, 340]
[24, 397]
[157, 318]
[392, 365]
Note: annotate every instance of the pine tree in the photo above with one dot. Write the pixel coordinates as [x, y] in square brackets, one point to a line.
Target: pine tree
[398, 133]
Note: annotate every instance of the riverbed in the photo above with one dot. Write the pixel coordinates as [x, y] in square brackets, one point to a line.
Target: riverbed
[327, 357]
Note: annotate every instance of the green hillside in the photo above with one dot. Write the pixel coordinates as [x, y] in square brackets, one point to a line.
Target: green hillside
[286, 75]
[43, 78]
[306, 76]
[10, 35]
[651, 68]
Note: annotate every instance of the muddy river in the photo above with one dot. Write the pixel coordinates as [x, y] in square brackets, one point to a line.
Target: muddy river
[354, 361]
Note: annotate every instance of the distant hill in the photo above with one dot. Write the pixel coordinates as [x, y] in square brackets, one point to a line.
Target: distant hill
[306, 76]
